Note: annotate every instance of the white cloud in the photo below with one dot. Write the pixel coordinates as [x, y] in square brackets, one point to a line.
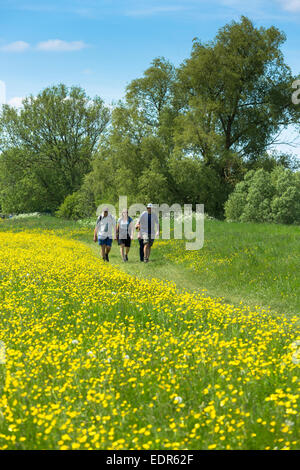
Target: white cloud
[57, 45]
[61, 46]
[291, 5]
[16, 101]
[17, 46]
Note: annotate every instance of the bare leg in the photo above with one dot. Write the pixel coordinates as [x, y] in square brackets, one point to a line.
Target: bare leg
[103, 251]
[146, 251]
[122, 251]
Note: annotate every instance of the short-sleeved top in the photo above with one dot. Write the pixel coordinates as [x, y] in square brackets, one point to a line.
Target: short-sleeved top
[105, 226]
[147, 224]
[124, 227]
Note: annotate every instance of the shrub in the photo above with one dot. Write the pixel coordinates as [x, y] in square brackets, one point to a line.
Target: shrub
[266, 197]
[76, 206]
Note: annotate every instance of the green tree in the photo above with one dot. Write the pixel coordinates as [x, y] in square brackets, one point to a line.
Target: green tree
[153, 93]
[197, 183]
[189, 135]
[58, 132]
[235, 204]
[20, 190]
[236, 91]
[266, 197]
[286, 203]
[259, 197]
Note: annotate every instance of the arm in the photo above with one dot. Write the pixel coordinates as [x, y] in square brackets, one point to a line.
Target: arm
[95, 233]
[115, 227]
[96, 228]
[130, 230]
[138, 227]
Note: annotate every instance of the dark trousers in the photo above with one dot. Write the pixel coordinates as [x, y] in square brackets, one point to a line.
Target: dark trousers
[141, 242]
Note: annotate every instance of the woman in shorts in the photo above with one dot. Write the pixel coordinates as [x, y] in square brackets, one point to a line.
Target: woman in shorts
[124, 234]
[103, 232]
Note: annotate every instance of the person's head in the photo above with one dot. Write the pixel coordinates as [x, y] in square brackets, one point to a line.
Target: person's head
[149, 208]
[124, 213]
[105, 212]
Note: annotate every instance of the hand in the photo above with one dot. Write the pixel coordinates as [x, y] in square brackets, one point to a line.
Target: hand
[157, 235]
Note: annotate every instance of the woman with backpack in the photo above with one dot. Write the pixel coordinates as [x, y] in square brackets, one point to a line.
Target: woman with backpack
[105, 226]
[124, 234]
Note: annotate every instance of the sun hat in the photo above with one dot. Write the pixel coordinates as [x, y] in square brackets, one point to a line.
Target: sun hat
[149, 205]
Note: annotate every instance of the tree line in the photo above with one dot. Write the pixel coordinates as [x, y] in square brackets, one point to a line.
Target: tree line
[186, 134]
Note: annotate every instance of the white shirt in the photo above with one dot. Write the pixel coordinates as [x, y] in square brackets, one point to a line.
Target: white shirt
[144, 223]
[105, 226]
[125, 227]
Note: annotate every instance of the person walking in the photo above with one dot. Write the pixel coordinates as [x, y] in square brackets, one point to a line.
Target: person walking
[149, 230]
[105, 226]
[124, 234]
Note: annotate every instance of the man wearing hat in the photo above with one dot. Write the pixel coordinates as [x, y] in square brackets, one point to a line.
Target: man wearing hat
[149, 230]
[105, 226]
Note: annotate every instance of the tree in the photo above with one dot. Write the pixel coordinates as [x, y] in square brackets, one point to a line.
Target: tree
[20, 190]
[235, 204]
[236, 92]
[58, 132]
[259, 197]
[285, 205]
[197, 183]
[153, 93]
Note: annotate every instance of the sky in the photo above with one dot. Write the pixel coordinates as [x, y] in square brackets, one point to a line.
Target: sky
[102, 45]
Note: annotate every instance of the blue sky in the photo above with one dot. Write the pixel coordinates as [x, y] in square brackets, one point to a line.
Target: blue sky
[103, 44]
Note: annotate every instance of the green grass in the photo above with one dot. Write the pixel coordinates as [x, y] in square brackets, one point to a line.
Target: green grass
[99, 359]
[257, 264]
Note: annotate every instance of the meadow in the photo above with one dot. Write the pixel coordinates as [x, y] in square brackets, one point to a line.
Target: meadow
[158, 356]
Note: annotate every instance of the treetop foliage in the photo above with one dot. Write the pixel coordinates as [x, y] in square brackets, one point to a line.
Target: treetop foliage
[182, 134]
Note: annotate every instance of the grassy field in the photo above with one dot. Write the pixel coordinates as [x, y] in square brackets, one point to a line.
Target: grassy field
[257, 264]
[112, 356]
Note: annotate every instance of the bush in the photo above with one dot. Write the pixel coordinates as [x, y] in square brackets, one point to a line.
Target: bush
[266, 197]
[76, 206]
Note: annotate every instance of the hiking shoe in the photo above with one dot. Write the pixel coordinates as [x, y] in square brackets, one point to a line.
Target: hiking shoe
[146, 260]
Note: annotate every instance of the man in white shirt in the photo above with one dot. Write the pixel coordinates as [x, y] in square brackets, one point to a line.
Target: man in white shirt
[149, 230]
[105, 226]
